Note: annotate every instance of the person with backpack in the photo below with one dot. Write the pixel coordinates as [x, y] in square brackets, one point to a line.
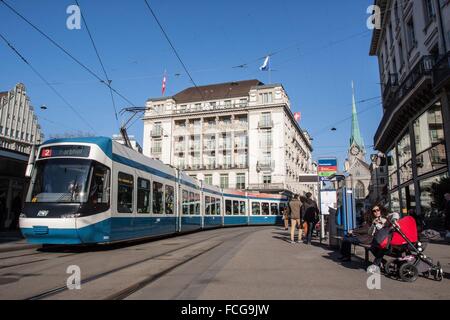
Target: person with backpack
[294, 211]
[310, 215]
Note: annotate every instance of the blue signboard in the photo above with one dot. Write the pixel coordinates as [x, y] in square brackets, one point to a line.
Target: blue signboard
[328, 162]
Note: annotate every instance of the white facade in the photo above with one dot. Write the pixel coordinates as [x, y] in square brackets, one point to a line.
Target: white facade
[246, 141]
[19, 128]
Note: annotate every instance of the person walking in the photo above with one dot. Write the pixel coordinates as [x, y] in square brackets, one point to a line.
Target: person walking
[311, 213]
[294, 210]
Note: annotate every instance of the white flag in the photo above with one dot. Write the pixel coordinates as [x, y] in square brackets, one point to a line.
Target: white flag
[265, 65]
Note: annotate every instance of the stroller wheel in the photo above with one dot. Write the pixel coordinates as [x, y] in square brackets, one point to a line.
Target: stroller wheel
[408, 272]
[438, 274]
[390, 268]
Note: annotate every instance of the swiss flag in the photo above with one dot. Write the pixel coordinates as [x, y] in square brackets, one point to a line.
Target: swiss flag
[297, 116]
[163, 88]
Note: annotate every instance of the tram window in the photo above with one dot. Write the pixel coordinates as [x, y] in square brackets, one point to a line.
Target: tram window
[235, 207]
[274, 209]
[213, 206]
[143, 196]
[242, 207]
[207, 205]
[185, 202]
[256, 208]
[169, 199]
[197, 203]
[99, 190]
[228, 207]
[158, 193]
[125, 193]
[218, 207]
[265, 208]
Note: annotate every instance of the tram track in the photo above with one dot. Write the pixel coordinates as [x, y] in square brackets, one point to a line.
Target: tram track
[133, 288]
[34, 261]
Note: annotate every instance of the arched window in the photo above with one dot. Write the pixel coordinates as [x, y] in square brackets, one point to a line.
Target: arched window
[359, 190]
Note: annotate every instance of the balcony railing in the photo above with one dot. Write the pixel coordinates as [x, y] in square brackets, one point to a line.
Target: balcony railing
[156, 150]
[390, 86]
[208, 108]
[423, 68]
[179, 148]
[441, 71]
[266, 186]
[209, 146]
[265, 164]
[265, 144]
[224, 146]
[156, 132]
[265, 124]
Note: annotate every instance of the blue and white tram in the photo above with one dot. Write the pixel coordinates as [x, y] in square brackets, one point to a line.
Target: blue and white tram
[212, 204]
[235, 204]
[190, 194]
[95, 190]
[266, 208]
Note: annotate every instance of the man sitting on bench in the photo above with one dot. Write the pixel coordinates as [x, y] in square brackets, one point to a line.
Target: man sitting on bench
[364, 234]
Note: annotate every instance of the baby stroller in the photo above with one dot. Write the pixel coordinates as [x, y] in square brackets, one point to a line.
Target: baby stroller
[402, 243]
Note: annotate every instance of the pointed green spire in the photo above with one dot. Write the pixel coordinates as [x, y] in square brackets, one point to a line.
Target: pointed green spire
[356, 137]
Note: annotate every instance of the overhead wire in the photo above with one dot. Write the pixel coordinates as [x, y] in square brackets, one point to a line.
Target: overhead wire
[173, 47]
[101, 62]
[65, 51]
[45, 81]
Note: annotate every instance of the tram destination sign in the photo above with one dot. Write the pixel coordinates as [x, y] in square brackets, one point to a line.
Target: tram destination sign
[65, 151]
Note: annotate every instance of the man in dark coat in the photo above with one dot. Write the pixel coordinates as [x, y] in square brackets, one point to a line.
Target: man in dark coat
[310, 215]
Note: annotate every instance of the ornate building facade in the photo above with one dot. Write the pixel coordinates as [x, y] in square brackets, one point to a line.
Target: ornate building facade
[19, 130]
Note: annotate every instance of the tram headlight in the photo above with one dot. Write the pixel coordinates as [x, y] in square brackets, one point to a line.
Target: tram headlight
[70, 215]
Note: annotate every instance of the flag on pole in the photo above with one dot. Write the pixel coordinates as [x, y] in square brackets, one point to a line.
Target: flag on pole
[297, 116]
[265, 65]
[163, 88]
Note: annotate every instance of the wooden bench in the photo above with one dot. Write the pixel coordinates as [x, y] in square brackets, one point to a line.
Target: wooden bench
[366, 248]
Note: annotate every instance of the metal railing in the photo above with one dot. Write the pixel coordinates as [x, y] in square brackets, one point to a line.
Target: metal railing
[422, 69]
[266, 186]
[265, 164]
[265, 124]
[156, 132]
[441, 70]
[208, 108]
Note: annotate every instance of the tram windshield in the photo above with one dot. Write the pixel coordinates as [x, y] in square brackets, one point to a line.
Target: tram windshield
[65, 181]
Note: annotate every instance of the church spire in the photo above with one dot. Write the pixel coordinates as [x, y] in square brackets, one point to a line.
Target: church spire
[356, 137]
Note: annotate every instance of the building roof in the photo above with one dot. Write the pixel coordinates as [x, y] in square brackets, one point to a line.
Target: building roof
[377, 32]
[216, 91]
[3, 94]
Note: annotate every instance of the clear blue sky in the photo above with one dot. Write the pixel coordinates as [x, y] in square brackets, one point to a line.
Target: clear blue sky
[325, 44]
